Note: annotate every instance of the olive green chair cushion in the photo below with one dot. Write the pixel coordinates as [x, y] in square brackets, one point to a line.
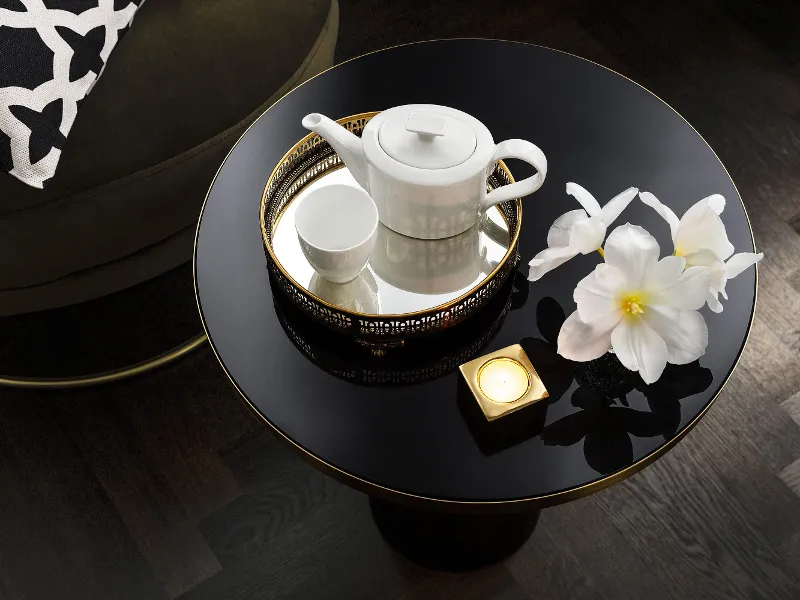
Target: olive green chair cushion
[181, 87]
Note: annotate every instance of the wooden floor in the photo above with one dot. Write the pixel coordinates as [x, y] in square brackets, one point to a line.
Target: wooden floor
[165, 487]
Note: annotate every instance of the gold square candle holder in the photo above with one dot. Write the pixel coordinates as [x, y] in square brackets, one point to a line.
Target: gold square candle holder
[503, 382]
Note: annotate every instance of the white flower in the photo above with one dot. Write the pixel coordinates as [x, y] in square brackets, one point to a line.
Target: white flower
[577, 232]
[642, 307]
[700, 237]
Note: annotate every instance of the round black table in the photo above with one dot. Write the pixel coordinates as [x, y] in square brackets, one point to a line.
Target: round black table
[440, 492]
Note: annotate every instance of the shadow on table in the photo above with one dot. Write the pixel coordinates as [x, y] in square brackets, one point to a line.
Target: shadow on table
[605, 420]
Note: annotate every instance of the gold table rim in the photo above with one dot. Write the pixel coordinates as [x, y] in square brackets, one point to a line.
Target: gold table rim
[538, 501]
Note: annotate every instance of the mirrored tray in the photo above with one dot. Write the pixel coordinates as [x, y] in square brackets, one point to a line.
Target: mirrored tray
[410, 286]
[342, 357]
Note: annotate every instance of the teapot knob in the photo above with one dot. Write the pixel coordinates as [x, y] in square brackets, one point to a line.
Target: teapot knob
[427, 124]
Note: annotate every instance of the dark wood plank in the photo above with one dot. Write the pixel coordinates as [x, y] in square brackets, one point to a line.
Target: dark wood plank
[690, 515]
[143, 497]
[213, 405]
[729, 464]
[792, 407]
[791, 476]
[791, 549]
[566, 34]
[770, 362]
[748, 411]
[60, 533]
[780, 307]
[281, 493]
[589, 565]
[181, 447]
[493, 582]
[336, 552]
[545, 570]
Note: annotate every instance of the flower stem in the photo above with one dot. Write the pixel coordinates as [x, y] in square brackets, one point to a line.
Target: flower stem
[603, 254]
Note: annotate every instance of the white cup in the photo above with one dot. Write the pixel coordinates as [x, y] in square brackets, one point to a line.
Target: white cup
[337, 227]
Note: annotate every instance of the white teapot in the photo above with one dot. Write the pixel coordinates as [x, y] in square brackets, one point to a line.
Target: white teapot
[426, 166]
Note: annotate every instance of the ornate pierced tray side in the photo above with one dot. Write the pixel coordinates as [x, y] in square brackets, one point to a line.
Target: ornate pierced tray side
[311, 158]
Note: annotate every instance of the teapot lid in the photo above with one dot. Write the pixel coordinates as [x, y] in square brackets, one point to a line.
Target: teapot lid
[427, 139]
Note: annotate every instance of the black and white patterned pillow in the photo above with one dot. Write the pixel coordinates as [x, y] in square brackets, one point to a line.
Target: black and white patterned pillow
[51, 54]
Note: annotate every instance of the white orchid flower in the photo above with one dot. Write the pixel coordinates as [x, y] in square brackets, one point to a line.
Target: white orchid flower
[579, 231]
[642, 307]
[700, 237]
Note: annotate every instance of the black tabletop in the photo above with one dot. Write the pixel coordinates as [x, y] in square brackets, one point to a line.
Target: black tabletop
[416, 441]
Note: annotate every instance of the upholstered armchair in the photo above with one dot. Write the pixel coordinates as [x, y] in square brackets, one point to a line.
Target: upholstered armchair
[181, 86]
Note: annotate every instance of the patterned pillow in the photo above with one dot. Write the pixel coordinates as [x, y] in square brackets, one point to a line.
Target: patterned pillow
[51, 54]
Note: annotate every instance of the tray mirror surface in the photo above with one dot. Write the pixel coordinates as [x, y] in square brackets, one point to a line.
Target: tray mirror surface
[404, 275]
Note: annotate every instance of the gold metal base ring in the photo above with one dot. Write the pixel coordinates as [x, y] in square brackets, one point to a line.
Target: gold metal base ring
[109, 376]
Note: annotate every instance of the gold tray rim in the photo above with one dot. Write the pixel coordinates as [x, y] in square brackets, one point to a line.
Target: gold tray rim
[513, 241]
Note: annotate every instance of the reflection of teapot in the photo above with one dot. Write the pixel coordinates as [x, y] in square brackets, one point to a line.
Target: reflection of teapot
[359, 295]
[434, 266]
[425, 166]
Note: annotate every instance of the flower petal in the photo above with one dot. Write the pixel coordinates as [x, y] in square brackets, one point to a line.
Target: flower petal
[665, 211]
[706, 258]
[716, 202]
[587, 235]
[596, 294]
[585, 198]
[713, 301]
[548, 259]
[616, 205]
[700, 228]
[688, 293]
[581, 341]
[562, 227]
[739, 262]
[605, 281]
[640, 348]
[684, 332]
[633, 251]
[667, 272]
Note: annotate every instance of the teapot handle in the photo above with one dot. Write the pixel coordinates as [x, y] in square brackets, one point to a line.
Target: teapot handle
[522, 150]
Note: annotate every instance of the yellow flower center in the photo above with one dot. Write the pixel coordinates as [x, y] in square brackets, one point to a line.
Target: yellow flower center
[679, 252]
[632, 305]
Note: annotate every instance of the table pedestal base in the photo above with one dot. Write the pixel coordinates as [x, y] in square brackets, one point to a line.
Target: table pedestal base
[452, 541]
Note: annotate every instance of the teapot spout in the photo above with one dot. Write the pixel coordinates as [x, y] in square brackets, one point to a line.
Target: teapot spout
[347, 145]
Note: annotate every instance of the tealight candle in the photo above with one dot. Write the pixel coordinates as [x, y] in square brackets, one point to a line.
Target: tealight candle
[503, 380]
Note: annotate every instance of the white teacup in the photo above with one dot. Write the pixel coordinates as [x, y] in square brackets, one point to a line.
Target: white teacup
[337, 227]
